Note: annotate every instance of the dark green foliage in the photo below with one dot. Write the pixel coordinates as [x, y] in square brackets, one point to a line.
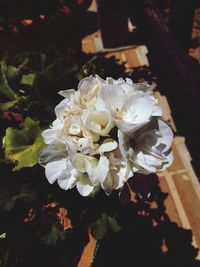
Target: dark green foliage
[29, 85]
[105, 225]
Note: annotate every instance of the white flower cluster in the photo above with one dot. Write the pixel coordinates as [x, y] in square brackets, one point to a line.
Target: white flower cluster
[103, 133]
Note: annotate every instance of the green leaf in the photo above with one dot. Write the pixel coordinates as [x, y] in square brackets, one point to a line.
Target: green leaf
[114, 224]
[12, 72]
[5, 89]
[54, 72]
[25, 197]
[54, 236]
[9, 104]
[106, 224]
[23, 146]
[28, 79]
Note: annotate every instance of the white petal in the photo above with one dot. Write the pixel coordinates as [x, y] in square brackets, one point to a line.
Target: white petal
[61, 107]
[87, 168]
[84, 189]
[86, 83]
[156, 138]
[107, 185]
[166, 135]
[55, 170]
[140, 107]
[90, 167]
[52, 153]
[113, 96]
[128, 127]
[103, 168]
[67, 93]
[131, 106]
[89, 83]
[100, 105]
[125, 147]
[79, 162]
[157, 111]
[68, 181]
[110, 80]
[147, 163]
[75, 129]
[127, 88]
[99, 122]
[129, 81]
[72, 144]
[107, 146]
[149, 149]
[50, 135]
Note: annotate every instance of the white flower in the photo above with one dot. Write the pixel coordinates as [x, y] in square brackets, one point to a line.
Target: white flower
[149, 149]
[103, 133]
[131, 106]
